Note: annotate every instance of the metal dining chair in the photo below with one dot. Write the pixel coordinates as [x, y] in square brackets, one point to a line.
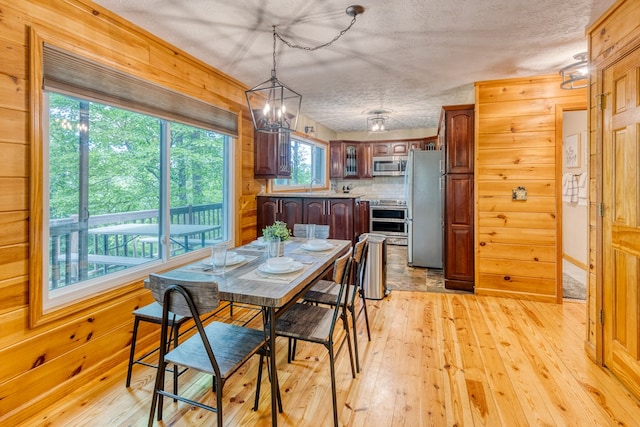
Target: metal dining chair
[324, 292]
[316, 324]
[152, 313]
[218, 349]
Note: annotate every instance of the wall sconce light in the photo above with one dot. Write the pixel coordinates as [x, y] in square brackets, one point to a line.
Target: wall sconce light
[310, 131]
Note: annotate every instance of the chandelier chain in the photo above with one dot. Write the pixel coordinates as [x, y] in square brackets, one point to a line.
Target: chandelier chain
[312, 48]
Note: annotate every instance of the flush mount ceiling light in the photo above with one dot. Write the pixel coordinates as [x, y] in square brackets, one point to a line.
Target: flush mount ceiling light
[575, 76]
[274, 106]
[376, 123]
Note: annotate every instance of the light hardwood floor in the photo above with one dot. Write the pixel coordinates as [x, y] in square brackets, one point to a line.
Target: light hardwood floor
[435, 359]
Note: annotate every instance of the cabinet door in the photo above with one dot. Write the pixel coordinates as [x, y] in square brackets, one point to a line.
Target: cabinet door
[365, 160]
[272, 155]
[340, 219]
[336, 159]
[459, 263]
[398, 148]
[363, 217]
[291, 211]
[381, 149]
[314, 211]
[459, 130]
[268, 212]
[351, 160]
[416, 145]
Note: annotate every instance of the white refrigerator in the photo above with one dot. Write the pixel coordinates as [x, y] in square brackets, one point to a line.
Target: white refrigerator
[424, 186]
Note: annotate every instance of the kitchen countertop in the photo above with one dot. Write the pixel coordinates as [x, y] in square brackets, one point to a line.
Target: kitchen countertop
[315, 195]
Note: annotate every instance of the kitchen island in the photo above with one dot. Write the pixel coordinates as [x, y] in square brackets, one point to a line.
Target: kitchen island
[344, 213]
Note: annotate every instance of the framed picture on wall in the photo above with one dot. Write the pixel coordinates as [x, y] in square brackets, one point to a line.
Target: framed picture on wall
[571, 150]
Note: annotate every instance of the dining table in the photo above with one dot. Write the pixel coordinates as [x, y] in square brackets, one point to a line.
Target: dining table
[248, 280]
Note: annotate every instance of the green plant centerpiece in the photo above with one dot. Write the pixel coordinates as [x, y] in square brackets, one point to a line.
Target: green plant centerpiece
[277, 230]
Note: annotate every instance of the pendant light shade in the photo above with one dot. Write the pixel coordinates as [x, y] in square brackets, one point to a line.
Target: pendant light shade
[274, 107]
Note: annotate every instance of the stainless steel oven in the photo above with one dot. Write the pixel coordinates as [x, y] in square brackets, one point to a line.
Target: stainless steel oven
[389, 218]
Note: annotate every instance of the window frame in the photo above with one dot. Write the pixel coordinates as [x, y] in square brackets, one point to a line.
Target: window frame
[274, 187]
[83, 295]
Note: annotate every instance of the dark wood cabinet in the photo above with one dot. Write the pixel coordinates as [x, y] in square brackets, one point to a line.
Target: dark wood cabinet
[458, 128]
[272, 155]
[338, 214]
[459, 249]
[456, 137]
[349, 159]
[286, 209]
[391, 148]
[362, 225]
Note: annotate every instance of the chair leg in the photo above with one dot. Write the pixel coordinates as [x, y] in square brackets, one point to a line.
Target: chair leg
[333, 384]
[219, 385]
[352, 310]
[366, 315]
[175, 367]
[345, 321]
[132, 350]
[258, 383]
[156, 398]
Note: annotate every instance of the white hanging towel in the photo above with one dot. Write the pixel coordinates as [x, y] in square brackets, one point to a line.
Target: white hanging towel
[583, 189]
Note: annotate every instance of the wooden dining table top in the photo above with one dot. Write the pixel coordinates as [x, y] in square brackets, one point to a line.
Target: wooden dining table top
[243, 284]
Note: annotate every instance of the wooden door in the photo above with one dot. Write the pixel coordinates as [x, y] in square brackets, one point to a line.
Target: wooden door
[291, 211]
[314, 211]
[336, 159]
[268, 212]
[340, 218]
[458, 238]
[621, 221]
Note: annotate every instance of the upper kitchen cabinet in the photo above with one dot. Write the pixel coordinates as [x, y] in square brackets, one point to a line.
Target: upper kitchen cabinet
[455, 133]
[272, 155]
[350, 159]
[389, 148]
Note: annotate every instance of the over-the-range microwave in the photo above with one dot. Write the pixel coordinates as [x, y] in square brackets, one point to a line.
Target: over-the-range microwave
[389, 165]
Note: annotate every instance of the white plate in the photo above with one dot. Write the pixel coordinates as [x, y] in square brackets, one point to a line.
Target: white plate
[259, 243]
[295, 266]
[236, 260]
[231, 261]
[326, 247]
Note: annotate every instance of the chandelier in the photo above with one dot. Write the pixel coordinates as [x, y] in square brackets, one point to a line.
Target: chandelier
[274, 106]
[375, 123]
[575, 76]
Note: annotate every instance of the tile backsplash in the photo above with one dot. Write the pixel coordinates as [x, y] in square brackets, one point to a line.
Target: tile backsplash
[382, 187]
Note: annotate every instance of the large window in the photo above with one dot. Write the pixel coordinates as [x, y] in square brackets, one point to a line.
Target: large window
[126, 175]
[126, 188]
[308, 163]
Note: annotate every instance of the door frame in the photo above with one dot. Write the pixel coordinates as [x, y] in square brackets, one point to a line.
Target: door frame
[562, 108]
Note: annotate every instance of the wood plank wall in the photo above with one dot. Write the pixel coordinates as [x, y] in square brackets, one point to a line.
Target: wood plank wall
[42, 364]
[518, 144]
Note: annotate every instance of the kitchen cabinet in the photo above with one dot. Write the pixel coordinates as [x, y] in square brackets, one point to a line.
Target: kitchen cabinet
[286, 209]
[338, 214]
[341, 214]
[456, 137]
[350, 159]
[457, 124]
[272, 155]
[390, 148]
[458, 237]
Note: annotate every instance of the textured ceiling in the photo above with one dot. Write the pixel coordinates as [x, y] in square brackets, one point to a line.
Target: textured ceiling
[407, 56]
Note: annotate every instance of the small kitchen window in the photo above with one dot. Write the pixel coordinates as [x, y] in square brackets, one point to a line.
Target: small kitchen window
[308, 164]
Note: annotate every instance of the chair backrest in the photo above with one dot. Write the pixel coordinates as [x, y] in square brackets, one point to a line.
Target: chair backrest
[341, 276]
[204, 294]
[322, 231]
[360, 260]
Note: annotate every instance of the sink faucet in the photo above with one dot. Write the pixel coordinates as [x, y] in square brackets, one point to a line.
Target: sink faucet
[314, 180]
